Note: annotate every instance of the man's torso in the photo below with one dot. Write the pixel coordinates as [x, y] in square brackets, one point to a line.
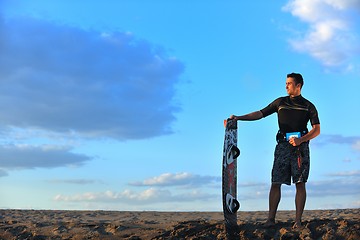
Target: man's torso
[293, 113]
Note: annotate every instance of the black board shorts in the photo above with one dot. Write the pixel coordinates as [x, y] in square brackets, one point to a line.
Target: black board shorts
[291, 162]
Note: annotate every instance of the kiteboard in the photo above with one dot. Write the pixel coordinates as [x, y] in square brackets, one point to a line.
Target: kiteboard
[229, 178]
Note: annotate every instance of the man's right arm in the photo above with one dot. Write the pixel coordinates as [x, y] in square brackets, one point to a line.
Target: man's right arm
[270, 109]
[249, 117]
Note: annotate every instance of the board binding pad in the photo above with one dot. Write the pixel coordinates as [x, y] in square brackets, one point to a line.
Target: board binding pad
[229, 178]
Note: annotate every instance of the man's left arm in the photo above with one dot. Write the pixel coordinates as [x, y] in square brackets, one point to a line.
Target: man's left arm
[313, 133]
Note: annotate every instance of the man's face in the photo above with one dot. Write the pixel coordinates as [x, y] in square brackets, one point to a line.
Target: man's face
[291, 88]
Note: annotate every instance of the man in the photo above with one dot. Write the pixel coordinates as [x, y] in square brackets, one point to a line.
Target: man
[291, 158]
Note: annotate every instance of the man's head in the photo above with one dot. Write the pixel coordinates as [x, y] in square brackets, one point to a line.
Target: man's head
[297, 78]
[294, 83]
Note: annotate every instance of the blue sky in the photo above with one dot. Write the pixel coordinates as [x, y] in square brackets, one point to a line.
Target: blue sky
[120, 106]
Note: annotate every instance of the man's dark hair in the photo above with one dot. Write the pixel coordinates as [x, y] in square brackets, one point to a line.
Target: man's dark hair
[297, 77]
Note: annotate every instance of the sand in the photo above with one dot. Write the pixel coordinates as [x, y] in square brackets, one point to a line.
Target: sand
[53, 224]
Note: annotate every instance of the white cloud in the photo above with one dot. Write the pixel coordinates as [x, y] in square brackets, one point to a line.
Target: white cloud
[148, 196]
[161, 189]
[336, 187]
[63, 79]
[75, 181]
[178, 179]
[355, 173]
[331, 37]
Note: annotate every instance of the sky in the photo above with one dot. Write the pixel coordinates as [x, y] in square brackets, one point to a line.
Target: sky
[120, 105]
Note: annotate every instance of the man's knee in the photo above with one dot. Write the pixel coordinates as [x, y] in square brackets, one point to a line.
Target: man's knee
[300, 186]
[275, 186]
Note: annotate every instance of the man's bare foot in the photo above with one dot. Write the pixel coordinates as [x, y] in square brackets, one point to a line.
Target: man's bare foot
[269, 223]
[297, 226]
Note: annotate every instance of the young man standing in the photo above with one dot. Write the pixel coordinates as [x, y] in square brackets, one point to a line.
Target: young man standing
[291, 158]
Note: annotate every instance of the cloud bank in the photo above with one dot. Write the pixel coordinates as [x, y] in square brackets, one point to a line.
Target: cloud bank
[325, 139]
[63, 79]
[162, 188]
[18, 157]
[330, 37]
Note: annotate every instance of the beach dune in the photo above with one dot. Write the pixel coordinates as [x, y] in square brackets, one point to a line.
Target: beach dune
[56, 224]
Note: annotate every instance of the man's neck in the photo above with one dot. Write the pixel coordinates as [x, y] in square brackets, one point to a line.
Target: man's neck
[296, 94]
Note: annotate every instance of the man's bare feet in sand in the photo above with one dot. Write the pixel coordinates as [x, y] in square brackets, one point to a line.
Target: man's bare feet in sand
[269, 223]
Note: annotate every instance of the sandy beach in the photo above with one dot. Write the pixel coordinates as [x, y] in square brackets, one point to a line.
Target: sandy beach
[54, 224]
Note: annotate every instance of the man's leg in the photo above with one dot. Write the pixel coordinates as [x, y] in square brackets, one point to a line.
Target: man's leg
[274, 199]
[300, 200]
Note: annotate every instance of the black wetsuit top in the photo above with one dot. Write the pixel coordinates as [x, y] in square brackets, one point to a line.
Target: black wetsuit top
[293, 113]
